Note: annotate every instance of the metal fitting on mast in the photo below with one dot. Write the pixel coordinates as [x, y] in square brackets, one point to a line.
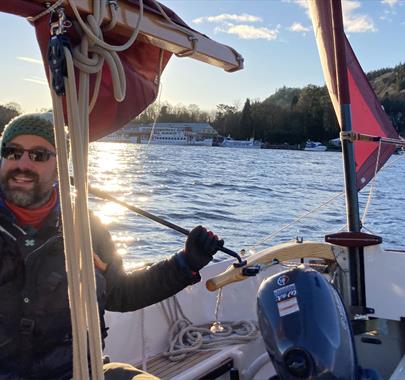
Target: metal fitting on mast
[56, 49]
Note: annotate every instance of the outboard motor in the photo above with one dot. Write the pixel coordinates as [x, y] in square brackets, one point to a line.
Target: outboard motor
[305, 327]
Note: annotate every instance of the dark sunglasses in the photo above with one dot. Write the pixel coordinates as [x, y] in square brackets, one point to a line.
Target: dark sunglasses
[37, 155]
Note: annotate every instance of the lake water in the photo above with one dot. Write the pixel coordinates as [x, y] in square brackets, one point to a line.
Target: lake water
[242, 195]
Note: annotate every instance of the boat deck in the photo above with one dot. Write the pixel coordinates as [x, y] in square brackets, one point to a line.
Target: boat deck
[163, 368]
[201, 365]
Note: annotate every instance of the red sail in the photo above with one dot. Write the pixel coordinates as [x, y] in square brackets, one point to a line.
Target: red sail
[140, 61]
[368, 117]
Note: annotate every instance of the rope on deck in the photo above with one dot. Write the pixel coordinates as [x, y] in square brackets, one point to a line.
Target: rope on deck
[186, 338]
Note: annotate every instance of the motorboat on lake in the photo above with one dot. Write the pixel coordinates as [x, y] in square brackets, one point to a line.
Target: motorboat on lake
[314, 146]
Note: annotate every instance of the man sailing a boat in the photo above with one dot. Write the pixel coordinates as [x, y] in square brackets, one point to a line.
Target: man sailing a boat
[35, 324]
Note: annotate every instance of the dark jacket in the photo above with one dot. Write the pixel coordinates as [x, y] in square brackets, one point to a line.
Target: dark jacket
[35, 327]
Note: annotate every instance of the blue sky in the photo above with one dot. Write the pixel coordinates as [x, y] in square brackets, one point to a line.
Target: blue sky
[275, 38]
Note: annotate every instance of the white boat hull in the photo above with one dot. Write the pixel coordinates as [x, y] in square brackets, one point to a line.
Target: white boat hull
[248, 144]
[385, 285]
[314, 146]
[193, 142]
[317, 149]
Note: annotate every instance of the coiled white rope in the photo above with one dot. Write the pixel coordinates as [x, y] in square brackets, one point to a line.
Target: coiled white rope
[186, 338]
[46, 11]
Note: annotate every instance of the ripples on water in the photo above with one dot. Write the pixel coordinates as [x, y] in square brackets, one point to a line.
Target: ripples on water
[242, 195]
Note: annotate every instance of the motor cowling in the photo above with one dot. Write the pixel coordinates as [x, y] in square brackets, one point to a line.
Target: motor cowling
[305, 327]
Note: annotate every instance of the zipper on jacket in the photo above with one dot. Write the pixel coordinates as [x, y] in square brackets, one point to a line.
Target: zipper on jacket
[50, 240]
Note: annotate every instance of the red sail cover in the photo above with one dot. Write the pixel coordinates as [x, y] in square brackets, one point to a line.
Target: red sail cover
[368, 117]
[140, 61]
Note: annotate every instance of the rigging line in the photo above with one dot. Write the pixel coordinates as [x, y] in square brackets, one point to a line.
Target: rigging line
[158, 97]
[368, 230]
[275, 233]
[355, 136]
[190, 35]
[45, 12]
[77, 109]
[392, 141]
[78, 131]
[387, 165]
[152, 130]
[79, 345]
[370, 193]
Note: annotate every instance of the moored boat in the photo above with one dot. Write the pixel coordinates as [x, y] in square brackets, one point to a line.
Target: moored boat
[171, 136]
[314, 146]
[249, 144]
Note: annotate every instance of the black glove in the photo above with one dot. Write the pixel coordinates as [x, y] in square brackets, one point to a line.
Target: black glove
[200, 247]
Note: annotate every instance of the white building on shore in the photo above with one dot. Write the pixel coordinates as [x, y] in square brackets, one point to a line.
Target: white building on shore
[166, 134]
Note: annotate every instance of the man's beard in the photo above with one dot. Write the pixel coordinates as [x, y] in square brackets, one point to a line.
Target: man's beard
[23, 197]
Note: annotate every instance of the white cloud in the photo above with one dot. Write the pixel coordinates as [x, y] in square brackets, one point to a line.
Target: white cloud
[301, 3]
[391, 3]
[237, 24]
[297, 27]
[244, 17]
[31, 60]
[356, 23]
[353, 22]
[248, 32]
[38, 80]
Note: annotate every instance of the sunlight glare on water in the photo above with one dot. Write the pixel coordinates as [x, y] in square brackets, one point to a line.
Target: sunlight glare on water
[109, 211]
[242, 195]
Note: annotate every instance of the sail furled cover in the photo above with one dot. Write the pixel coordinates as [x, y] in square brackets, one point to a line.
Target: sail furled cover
[368, 116]
[141, 64]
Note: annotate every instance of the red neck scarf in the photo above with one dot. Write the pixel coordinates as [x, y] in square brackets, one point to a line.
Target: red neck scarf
[33, 217]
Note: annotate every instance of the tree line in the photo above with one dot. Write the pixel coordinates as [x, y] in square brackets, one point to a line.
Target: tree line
[7, 112]
[290, 115]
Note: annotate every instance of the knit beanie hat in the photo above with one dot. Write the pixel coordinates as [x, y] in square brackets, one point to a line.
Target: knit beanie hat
[38, 124]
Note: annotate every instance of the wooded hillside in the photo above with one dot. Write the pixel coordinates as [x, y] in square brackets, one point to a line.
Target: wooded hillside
[293, 115]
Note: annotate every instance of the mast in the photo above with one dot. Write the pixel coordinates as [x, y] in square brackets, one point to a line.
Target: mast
[356, 259]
